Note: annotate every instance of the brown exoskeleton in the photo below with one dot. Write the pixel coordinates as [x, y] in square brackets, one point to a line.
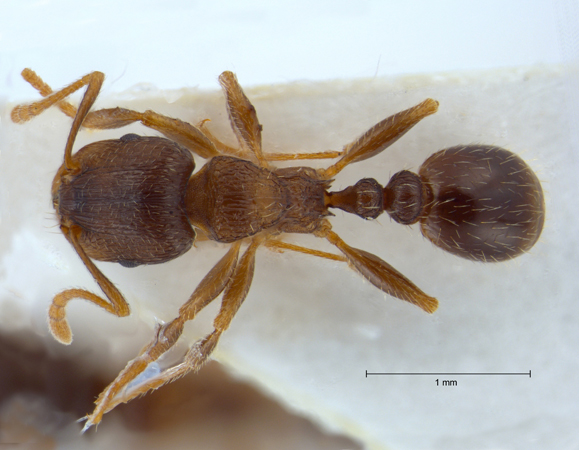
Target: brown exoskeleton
[135, 200]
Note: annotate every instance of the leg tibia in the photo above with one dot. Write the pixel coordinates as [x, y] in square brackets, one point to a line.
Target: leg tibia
[57, 322]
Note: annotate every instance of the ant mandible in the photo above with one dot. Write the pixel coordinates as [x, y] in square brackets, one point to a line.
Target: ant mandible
[135, 200]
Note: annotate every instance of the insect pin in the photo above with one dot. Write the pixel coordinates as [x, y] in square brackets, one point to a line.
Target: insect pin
[137, 200]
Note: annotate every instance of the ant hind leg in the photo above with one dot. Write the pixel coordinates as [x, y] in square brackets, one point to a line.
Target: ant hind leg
[381, 136]
[380, 273]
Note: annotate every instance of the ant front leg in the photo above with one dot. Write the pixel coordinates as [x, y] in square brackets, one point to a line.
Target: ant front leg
[94, 80]
[45, 90]
[178, 131]
[229, 276]
[116, 305]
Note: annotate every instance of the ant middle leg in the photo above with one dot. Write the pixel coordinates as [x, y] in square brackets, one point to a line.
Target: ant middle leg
[239, 152]
[229, 276]
[247, 129]
[243, 118]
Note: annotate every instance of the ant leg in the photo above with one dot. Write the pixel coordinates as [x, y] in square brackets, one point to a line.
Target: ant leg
[277, 245]
[116, 305]
[380, 273]
[94, 81]
[381, 136]
[225, 149]
[247, 128]
[93, 119]
[181, 132]
[330, 154]
[234, 280]
[45, 90]
[243, 117]
[220, 146]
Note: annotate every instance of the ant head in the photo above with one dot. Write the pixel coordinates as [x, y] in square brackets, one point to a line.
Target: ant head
[483, 203]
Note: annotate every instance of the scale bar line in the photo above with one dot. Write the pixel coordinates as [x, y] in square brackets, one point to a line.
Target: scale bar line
[449, 373]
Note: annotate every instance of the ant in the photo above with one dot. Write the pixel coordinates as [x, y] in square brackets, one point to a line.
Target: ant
[135, 200]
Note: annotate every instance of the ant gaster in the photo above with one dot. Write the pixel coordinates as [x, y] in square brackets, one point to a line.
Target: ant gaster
[135, 200]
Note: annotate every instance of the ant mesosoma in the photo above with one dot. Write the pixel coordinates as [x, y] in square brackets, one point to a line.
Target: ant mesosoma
[135, 200]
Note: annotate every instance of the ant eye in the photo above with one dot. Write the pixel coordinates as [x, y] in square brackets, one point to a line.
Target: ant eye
[487, 204]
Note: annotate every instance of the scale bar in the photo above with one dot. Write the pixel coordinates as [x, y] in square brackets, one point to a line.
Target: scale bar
[449, 373]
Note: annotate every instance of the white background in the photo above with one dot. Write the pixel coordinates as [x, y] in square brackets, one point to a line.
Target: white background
[175, 44]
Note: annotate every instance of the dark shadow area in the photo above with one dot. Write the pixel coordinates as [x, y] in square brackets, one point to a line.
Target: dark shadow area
[41, 397]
